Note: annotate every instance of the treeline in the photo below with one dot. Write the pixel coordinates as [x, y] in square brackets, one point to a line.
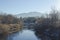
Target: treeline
[48, 28]
[52, 19]
[8, 19]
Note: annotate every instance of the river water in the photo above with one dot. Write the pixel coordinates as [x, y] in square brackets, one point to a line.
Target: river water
[30, 34]
[23, 35]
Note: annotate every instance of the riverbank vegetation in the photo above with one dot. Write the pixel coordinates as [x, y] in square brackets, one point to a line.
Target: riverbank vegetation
[48, 28]
[9, 24]
[45, 27]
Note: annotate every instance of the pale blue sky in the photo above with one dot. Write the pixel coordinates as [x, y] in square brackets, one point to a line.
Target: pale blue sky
[22, 6]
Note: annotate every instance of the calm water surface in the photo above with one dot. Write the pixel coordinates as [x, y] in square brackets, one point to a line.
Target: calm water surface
[23, 35]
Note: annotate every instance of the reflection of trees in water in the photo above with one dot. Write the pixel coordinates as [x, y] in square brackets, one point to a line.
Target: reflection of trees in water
[8, 36]
[3, 37]
[11, 36]
[48, 34]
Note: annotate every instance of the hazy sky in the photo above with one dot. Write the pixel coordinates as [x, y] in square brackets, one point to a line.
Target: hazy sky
[21, 6]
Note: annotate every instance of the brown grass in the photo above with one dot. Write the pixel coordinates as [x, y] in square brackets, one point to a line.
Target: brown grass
[10, 28]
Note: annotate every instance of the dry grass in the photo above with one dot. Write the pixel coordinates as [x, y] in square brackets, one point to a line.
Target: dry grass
[10, 28]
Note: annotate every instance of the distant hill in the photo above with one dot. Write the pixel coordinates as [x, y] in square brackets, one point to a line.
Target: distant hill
[30, 14]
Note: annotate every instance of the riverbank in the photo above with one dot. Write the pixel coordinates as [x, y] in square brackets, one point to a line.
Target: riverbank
[10, 28]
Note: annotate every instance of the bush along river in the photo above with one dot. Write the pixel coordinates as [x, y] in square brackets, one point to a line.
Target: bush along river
[34, 34]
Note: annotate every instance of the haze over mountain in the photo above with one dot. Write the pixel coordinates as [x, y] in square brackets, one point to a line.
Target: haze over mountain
[30, 14]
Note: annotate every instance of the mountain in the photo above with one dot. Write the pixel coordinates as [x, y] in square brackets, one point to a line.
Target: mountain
[30, 14]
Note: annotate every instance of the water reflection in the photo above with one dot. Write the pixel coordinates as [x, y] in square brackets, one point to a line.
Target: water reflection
[3, 37]
[24, 35]
[29, 34]
[48, 34]
[12, 36]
